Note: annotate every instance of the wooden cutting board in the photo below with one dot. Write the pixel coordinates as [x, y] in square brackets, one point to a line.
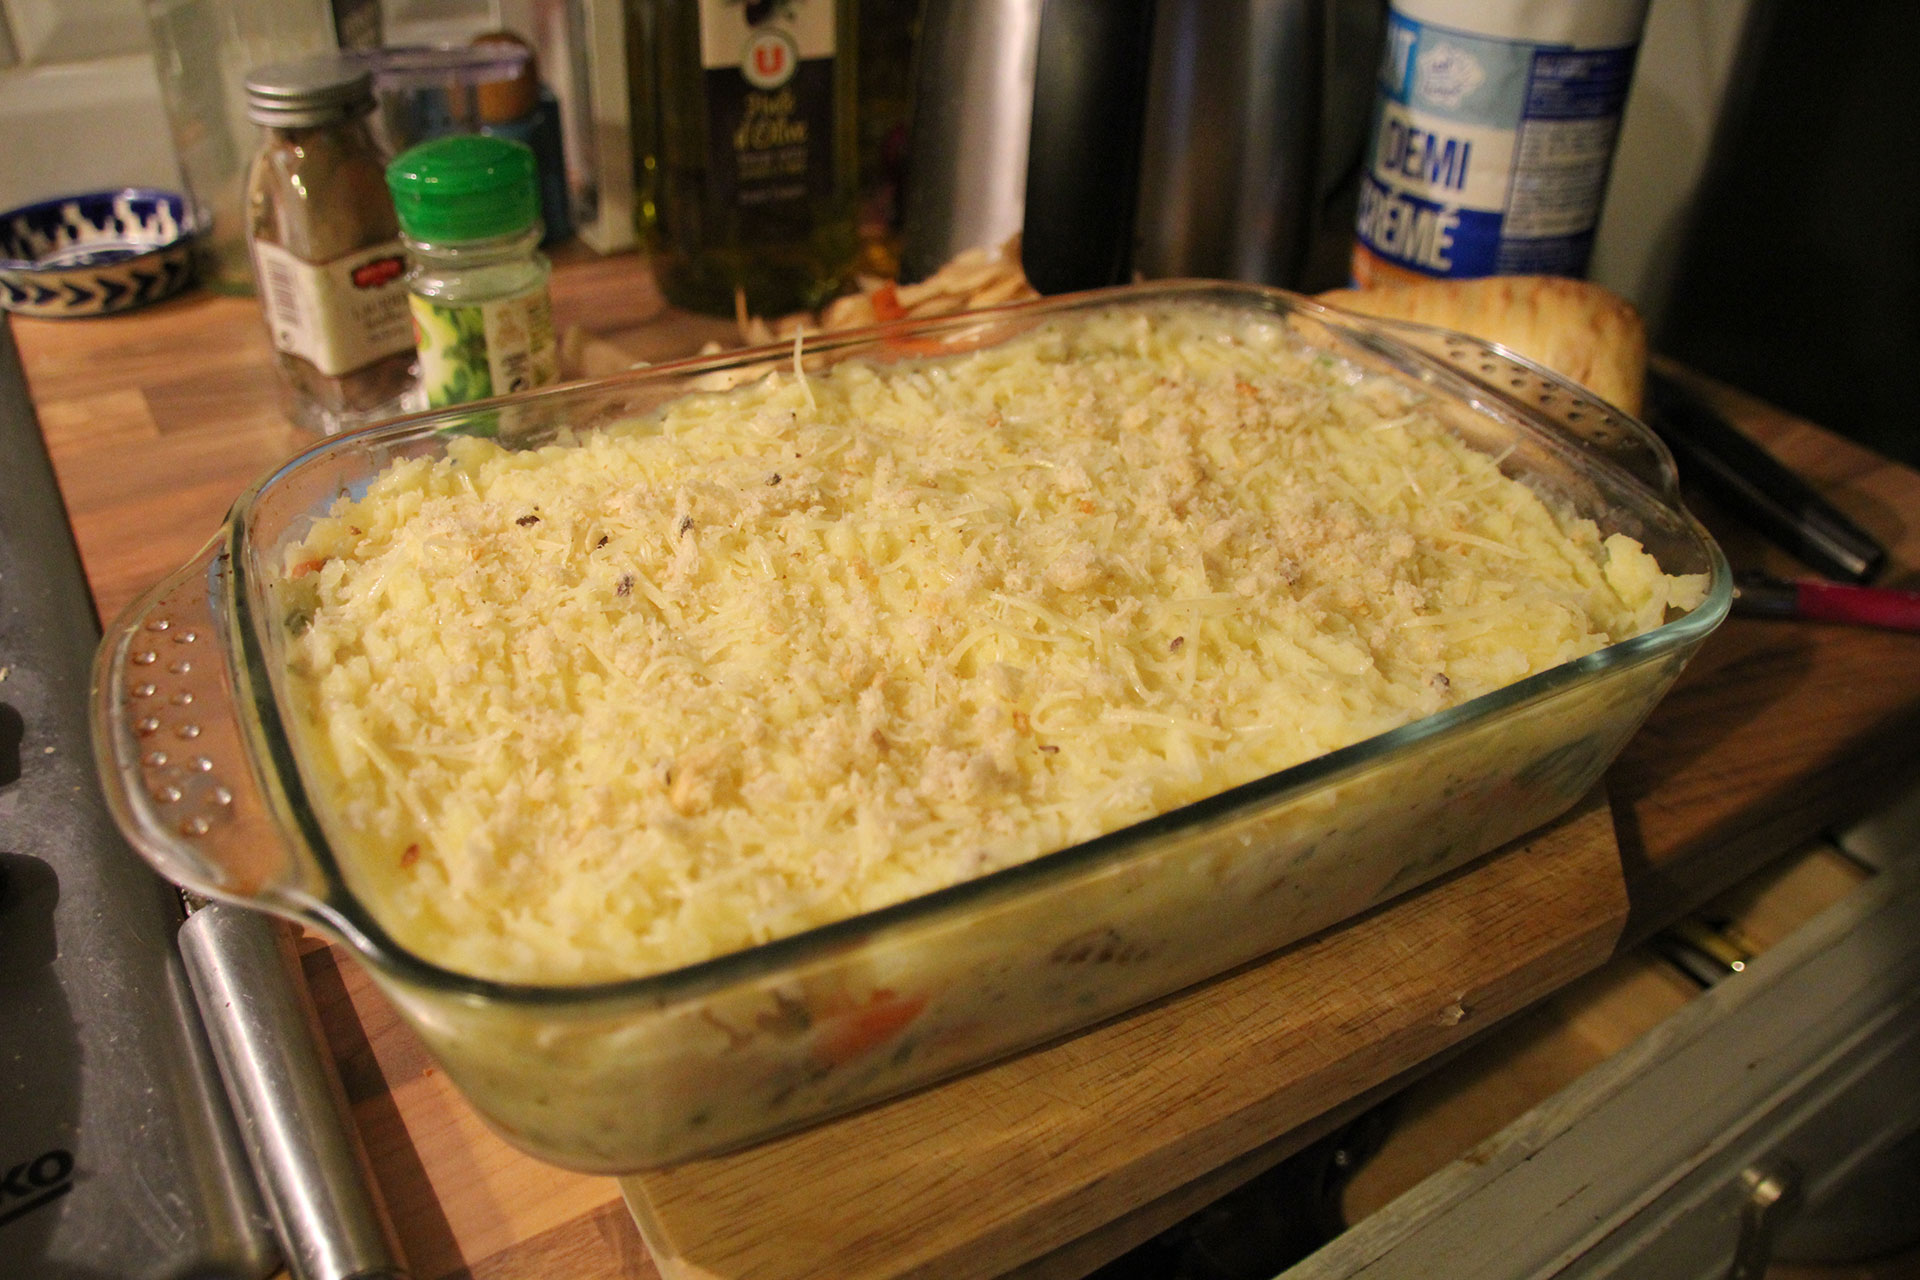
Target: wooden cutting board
[1062, 1157]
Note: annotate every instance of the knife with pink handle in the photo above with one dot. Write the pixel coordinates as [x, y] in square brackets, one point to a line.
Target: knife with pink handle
[1762, 596]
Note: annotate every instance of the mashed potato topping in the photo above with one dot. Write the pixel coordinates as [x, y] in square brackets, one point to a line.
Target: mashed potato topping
[788, 653]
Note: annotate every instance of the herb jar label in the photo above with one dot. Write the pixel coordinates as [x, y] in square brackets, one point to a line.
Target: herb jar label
[337, 316]
[484, 349]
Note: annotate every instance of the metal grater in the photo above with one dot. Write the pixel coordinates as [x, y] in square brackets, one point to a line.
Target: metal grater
[119, 1156]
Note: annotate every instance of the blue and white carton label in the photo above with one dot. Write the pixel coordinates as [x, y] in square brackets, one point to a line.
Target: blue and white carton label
[1492, 137]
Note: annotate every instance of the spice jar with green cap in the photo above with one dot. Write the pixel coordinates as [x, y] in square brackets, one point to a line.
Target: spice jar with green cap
[469, 210]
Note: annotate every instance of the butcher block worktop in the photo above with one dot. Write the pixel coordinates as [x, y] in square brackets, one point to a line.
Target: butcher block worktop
[157, 419]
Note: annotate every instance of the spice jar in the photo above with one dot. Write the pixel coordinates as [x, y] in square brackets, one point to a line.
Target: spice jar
[477, 284]
[325, 245]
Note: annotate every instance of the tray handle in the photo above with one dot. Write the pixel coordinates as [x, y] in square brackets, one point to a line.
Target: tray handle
[1589, 423]
[167, 740]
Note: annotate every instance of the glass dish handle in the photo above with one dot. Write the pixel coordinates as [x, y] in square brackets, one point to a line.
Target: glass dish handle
[1588, 422]
[167, 739]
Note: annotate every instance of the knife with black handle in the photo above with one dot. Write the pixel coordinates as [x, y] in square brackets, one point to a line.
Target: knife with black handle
[1755, 486]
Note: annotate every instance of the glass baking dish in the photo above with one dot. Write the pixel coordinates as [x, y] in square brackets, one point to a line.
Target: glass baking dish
[204, 777]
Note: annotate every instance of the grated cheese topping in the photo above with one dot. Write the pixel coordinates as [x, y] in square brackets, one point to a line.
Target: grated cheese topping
[788, 653]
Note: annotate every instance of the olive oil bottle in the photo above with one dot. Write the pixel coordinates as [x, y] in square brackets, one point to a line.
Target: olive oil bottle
[747, 165]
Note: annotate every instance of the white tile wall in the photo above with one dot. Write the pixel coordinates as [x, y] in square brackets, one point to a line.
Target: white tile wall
[437, 21]
[80, 105]
[48, 31]
[83, 126]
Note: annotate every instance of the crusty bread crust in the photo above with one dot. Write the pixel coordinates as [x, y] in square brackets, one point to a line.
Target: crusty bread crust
[1578, 329]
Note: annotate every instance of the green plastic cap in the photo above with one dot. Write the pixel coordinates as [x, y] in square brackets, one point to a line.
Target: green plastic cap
[468, 187]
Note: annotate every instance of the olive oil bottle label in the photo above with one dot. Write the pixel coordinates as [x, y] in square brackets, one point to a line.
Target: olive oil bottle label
[472, 351]
[337, 316]
[768, 67]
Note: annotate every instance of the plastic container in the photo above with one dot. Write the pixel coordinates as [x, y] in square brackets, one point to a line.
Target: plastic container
[525, 110]
[624, 1075]
[490, 86]
[476, 281]
[434, 91]
[325, 246]
[1493, 135]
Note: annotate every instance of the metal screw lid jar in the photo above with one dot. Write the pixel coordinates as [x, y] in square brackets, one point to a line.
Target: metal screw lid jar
[469, 211]
[326, 245]
[308, 92]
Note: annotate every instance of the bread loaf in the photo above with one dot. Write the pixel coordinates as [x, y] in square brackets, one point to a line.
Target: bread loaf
[1577, 329]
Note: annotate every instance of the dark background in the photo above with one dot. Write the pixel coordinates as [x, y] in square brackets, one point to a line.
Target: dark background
[1799, 275]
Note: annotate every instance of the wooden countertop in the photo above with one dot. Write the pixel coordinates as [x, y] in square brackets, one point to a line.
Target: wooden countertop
[157, 419]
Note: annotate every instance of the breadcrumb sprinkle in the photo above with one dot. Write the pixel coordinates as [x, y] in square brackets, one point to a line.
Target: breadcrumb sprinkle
[788, 653]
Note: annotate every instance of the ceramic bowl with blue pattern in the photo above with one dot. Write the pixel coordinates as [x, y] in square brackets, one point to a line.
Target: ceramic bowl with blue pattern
[95, 254]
